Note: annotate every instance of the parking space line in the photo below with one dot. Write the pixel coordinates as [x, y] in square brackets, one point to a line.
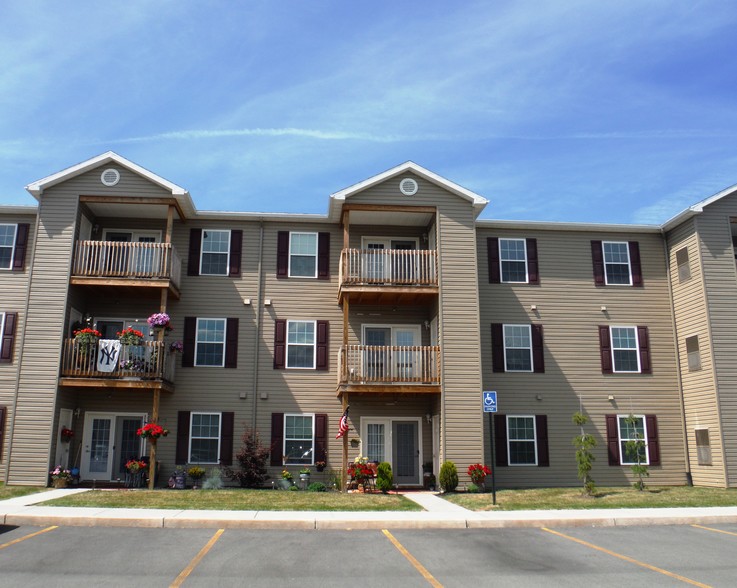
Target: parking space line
[418, 566]
[715, 530]
[14, 541]
[196, 560]
[628, 559]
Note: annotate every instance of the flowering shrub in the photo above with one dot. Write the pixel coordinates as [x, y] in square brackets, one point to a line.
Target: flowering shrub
[478, 472]
[66, 434]
[286, 475]
[176, 347]
[59, 473]
[134, 465]
[196, 472]
[159, 320]
[130, 336]
[152, 431]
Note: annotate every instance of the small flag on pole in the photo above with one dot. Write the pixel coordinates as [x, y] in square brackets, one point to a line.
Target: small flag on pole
[343, 424]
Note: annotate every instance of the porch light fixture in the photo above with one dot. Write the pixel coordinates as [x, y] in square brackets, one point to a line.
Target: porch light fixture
[267, 302]
[77, 412]
[428, 418]
[610, 398]
[603, 309]
[533, 307]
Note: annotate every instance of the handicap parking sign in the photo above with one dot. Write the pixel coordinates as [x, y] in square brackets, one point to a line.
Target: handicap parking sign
[489, 401]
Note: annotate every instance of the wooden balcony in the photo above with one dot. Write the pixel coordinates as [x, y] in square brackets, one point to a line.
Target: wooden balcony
[149, 365]
[397, 369]
[388, 276]
[127, 265]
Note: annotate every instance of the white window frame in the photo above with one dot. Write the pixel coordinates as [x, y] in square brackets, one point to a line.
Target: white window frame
[504, 340]
[191, 437]
[502, 260]
[314, 346]
[12, 247]
[2, 329]
[284, 440]
[620, 440]
[197, 339]
[629, 261]
[227, 253]
[509, 439]
[636, 349]
[317, 245]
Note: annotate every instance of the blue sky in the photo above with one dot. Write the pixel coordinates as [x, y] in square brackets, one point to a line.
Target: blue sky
[564, 110]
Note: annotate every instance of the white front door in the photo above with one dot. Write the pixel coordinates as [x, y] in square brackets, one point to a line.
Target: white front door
[109, 440]
[396, 441]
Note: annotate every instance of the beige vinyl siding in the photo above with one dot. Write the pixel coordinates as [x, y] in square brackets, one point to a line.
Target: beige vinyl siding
[569, 308]
[13, 289]
[720, 277]
[691, 316]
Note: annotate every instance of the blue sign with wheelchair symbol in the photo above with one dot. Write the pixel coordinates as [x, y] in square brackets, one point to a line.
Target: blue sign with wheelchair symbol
[489, 401]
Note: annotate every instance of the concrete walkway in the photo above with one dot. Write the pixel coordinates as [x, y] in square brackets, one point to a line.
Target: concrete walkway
[438, 514]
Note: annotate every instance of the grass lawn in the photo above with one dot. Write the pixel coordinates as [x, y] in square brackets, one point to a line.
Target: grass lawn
[13, 491]
[619, 497]
[236, 499]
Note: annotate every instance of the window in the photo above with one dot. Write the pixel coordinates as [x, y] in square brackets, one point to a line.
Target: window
[632, 430]
[7, 245]
[303, 255]
[8, 321]
[684, 269]
[703, 446]
[210, 342]
[298, 438]
[513, 261]
[624, 350]
[521, 440]
[693, 353]
[301, 344]
[517, 348]
[204, 438]
[215, 253]
[616, 263]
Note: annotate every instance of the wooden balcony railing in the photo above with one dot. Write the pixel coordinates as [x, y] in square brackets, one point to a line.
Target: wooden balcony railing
[370, 364]
[395, 267]
[112, 259]
[151, 360]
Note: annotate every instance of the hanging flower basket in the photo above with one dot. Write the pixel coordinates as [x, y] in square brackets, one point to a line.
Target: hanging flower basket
[152, 431]
[159, 321]
[66, 435]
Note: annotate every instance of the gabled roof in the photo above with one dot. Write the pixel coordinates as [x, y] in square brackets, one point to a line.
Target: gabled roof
[36, 188]
[697, 208]
[477, 201]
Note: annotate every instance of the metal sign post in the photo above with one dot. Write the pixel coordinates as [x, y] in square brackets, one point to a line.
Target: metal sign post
[488, 401]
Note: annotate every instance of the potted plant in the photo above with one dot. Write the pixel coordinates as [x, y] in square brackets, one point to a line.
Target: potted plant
[130, 336]
[196, 473]
[304, 474]
[478, 473]
[286, 481]
[66, 434]
[159, 321]
[320, 465]
[60, 477]
[355, 441]
[152, 431]
[85, 340]
[176, 347]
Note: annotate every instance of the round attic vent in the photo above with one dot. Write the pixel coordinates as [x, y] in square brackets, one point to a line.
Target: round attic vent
[110, 177]
[408, 187]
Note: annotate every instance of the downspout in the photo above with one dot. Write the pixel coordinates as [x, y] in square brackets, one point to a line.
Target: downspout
[259, 320]
[21, 345]
[689, 478]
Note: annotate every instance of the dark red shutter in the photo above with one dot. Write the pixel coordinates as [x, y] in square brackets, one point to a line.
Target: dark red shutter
[612, 439]
[236, 253]
[541, 432]
[280, 344]
[3, 412]
[497, 347]
[597, 256]
[282, 254]
[188, 340]
[533, 273]
[321, 437]
[7, 337]
[500, 440]
[182, 454]
[653, 446]
[635, 265]
[323, 256]
[195, 246]
[644, 343]
[277, 438]
[227, 426]
[21, 245]
[322, 361]
[605, 350]
[231, 343]
[538, 355]
[492, 245]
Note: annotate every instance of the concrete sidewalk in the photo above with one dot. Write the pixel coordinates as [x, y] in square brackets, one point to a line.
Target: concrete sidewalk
[438, 514]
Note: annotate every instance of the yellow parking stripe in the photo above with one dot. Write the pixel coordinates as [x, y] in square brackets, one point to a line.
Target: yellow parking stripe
[14, 541]
[197, 558]
[715, 530]
[418, 566]
[628, 559]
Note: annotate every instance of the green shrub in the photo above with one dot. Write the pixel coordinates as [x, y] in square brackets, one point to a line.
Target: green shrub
[294, 488]
[317, 487]
[473, 488]
[214, 480]
[448, 476]
[384, 477]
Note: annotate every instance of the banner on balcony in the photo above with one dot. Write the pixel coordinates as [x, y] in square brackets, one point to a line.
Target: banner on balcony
[108, 352]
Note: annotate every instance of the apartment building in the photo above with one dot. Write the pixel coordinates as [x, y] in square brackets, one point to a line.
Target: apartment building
[399, 304]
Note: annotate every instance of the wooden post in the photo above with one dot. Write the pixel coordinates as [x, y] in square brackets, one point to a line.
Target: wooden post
[169, 223]
[344, 472]
[157, 391]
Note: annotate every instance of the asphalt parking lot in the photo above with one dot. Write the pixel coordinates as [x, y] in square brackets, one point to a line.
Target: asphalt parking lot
[576, 556]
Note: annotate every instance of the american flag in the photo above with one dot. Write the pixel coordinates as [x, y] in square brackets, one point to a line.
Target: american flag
[343, 424]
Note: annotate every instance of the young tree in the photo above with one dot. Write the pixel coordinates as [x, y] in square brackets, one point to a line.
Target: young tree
[584, 444]
[252, 459]
[635, 451]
